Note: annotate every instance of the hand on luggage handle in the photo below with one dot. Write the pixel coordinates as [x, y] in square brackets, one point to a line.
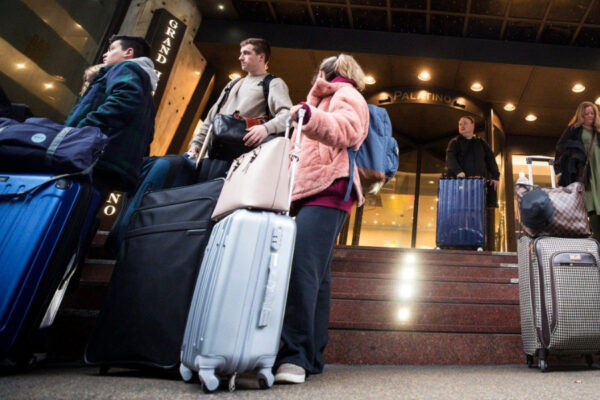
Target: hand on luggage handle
[550, 160]
[295, 154]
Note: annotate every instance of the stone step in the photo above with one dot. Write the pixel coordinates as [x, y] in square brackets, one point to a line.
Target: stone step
[424, 317]
[423, 256]
[424, 291]
[71, 332]
[91, 291]
[100, 269]
[449, 273]
[397, 348]
[95, 270]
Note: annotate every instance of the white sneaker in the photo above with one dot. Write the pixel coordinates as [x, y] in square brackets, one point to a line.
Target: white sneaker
[290, 373]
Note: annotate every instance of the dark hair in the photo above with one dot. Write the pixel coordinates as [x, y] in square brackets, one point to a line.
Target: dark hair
[140, 47]
[261, 46]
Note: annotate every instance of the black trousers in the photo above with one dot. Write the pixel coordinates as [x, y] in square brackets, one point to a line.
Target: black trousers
[306, 320]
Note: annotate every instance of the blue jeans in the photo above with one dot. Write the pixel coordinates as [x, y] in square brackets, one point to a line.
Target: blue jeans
[306, 318]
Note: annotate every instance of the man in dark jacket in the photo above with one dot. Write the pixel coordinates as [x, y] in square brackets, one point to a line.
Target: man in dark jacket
[470, 156]
[119, 102]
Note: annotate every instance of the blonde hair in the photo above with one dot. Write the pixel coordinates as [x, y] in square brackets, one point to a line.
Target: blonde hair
[343, 65]
[577, 119]
[88, 76]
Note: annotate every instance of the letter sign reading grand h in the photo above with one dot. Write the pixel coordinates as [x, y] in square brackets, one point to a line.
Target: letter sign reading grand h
[164, 37]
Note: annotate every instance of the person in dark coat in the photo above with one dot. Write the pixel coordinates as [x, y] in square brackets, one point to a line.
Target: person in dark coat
[470, 156]
[571, 154]
[119, 102]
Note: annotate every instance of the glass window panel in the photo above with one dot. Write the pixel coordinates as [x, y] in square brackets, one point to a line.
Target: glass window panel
[500, 239]
[46, 53]
[387, 217]
[432, 166]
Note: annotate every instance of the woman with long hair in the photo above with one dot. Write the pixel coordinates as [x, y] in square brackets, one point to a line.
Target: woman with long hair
[336, 118]
[578, 158]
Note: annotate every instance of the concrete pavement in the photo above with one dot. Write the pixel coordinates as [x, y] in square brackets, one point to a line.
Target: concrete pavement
[338, 382]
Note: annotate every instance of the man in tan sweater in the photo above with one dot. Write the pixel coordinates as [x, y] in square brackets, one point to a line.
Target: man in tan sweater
[247, 96]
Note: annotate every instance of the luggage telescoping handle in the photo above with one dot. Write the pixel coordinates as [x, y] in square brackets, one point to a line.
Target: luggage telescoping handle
[550, 160]
[271, 286]
[295, 154]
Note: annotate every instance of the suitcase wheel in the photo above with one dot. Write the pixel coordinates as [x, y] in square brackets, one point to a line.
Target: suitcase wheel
[529, 361]
[104, 370]
[543, 365]
[186, 373]
[589, 360]
[208, 380]
[231, 383]
[265, 378]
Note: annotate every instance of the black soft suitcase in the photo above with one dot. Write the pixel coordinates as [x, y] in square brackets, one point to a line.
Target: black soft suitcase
[143, 318]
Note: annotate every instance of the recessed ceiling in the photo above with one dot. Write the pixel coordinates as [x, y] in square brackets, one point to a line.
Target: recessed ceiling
[544, 91]
[568, 22]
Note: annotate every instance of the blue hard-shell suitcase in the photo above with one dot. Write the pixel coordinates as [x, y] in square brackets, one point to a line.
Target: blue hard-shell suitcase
[40, 237]
[461, 213]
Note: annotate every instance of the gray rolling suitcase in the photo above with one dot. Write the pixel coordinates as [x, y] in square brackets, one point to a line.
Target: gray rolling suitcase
[559, 293]
[236, 316]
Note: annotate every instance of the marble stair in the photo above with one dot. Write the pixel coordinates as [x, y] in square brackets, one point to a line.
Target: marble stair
[389, 306]
[405, 306]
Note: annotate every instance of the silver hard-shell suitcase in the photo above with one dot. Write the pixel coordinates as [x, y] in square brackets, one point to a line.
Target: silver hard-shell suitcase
[236, 316]
[559, 293]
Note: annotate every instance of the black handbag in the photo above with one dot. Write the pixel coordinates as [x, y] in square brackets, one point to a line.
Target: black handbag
[228, 133]
[228, 130]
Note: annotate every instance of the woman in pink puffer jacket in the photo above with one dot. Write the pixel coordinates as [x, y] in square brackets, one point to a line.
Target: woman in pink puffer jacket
[336, 118]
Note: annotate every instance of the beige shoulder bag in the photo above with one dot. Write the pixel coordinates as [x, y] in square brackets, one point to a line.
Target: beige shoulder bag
[260, 179]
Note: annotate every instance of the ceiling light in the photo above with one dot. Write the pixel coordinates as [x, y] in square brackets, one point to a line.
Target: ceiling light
[20, 66]
[578, 88]
[197, 72]
[221, 7]
[530, 117]
[424, 76]
[48, 85]
[234, 76]
[78, 26]
[431, 182]
[597, 101]
[510, 107]
[477, 87]
[369, 80]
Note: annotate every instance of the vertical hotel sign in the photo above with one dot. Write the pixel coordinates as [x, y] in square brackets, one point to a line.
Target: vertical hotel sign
[164, 37]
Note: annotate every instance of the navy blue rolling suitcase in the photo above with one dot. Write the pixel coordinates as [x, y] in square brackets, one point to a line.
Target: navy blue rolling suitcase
[157, 173]
[461, 213]
[40, 236]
